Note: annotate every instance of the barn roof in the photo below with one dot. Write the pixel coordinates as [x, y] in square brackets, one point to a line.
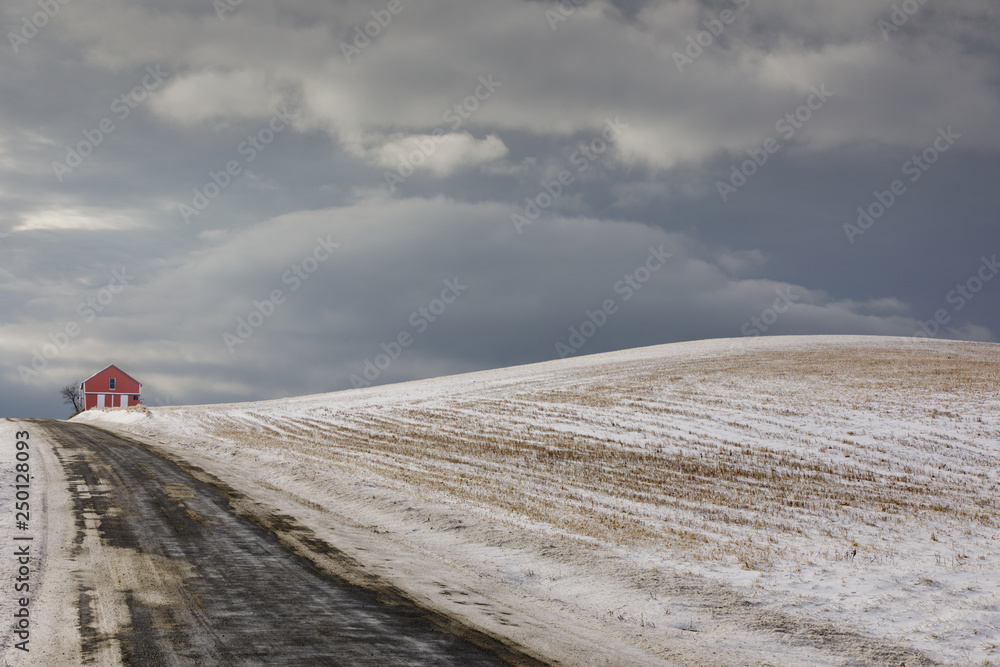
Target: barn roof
[106, 368]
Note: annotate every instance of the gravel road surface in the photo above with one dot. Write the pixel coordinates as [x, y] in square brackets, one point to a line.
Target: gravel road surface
[175, 568]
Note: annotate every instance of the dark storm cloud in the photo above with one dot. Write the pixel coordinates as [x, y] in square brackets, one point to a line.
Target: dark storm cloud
[475, 113]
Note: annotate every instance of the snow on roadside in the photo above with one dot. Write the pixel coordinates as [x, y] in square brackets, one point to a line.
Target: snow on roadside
[53, 637]
[18, 585]
[846, 481]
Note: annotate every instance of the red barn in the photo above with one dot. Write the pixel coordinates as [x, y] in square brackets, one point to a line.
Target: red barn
[111, 388]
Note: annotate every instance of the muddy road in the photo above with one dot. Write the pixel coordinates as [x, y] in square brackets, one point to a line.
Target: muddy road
[174, 568]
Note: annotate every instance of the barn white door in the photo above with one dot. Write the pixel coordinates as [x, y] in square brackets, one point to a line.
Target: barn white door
[100, 400]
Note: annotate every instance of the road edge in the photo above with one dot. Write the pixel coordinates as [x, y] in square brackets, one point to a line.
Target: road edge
[542, 639]
[55, 624]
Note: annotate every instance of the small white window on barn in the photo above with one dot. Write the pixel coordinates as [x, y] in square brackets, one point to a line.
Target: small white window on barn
[111, 384]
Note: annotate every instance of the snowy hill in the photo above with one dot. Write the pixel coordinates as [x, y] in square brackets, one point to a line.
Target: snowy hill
[784, 500]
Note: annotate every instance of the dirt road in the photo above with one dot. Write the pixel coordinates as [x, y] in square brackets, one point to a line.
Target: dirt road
[175, 568]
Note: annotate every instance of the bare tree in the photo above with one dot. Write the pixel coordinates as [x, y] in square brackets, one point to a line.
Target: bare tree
[71, 395]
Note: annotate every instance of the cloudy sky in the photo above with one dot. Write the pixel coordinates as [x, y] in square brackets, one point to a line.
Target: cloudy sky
[247, 200]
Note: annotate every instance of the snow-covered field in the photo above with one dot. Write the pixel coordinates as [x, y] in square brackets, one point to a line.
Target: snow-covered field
[787, 500]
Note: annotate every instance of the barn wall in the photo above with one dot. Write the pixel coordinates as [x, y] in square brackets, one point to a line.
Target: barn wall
[125, 389]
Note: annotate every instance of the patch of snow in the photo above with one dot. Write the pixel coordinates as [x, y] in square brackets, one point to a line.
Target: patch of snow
[801, 499]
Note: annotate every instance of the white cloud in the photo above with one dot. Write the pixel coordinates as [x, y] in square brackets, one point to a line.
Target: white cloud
[78, 219]
[218, 96]
[566, 81]
[440, 154]
[540, 269]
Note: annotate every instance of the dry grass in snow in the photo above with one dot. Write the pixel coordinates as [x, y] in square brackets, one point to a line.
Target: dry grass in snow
[849, 479]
